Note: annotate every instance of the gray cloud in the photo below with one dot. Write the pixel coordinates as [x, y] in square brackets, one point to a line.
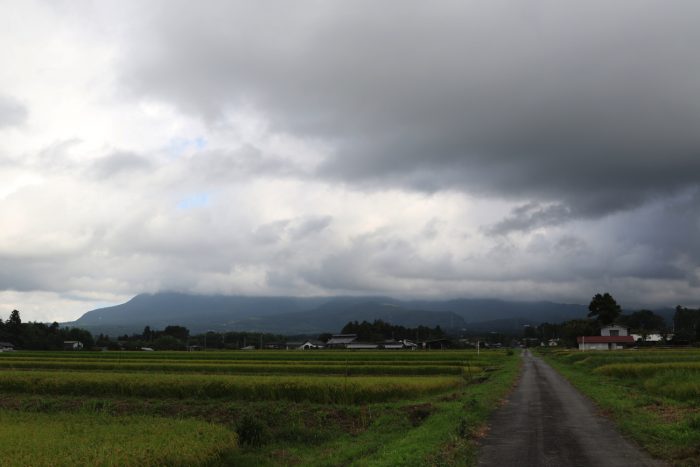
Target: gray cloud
[12, 112]
[530, 216]
[119, 163]
[594, 106]
[512, 149]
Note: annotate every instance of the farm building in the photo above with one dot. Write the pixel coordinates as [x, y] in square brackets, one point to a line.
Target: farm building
[437, 344]
[391, 345]
[340, 341]
[72, 345]
[6, 347]
[312, 344]
[611, 338]
[308, 344]
[654, 337]
[361, 346]
[398, 345]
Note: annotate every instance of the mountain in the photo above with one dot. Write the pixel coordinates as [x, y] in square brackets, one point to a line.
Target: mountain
[294, 315]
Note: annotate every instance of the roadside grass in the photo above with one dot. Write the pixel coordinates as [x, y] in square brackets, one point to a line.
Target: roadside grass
[664, 422]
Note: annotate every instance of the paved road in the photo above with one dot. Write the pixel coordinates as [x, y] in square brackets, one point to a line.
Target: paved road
[546, 422]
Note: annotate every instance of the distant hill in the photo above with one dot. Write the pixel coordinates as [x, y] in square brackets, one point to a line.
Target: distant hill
[290, 315]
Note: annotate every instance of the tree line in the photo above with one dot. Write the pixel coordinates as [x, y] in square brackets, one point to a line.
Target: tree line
[380, 330]
[604, 310]
[40, 336]
[176, 337]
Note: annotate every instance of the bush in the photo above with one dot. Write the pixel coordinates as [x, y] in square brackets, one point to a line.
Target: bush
[252, 432]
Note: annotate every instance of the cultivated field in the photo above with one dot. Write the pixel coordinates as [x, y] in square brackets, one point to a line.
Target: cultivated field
[654, 395]
[247, 408]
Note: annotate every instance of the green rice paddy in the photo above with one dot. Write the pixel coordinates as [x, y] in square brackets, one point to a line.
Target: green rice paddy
[247, 408]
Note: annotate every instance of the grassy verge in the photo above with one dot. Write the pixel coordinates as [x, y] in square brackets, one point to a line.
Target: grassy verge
[668, 429]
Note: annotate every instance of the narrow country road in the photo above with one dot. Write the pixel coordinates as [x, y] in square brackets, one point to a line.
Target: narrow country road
[546, 422]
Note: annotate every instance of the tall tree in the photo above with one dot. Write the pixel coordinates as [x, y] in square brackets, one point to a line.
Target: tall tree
[14, 323]
[604, 309]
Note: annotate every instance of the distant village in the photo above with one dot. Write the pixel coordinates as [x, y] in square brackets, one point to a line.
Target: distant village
[605, 328]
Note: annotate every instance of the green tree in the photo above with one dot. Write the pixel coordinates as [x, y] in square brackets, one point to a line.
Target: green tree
[14, 323]
[645, 322]
[604, 309]
[686, 325]
[571, 329]
[178, 332]
[167, 342]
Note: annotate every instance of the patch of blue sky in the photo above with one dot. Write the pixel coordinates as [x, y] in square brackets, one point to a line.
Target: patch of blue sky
[195, 200]
[176, 147]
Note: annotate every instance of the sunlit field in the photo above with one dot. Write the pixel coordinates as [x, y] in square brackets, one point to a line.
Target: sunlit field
[249, 408]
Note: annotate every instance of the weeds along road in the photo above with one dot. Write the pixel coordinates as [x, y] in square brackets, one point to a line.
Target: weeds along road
[546, 422]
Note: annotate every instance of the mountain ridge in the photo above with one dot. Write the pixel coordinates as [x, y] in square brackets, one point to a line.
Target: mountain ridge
[310, 315]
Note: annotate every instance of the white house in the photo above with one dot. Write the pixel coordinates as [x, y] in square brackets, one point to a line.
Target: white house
[612, 337]
[614, 330]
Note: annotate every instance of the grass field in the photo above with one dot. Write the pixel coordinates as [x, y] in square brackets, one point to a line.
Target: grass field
[654, 395]
[248, 408]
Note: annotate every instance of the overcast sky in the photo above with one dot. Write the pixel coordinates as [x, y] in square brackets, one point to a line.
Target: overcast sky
[537, 150]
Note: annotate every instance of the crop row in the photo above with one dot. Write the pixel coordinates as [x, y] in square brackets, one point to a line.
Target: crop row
[130, 358]
[321, 389]
[642, 370]
[667, 373]
[279, 355]
[240, 368]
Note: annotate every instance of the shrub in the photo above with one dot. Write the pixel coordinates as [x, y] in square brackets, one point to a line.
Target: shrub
[252, 432]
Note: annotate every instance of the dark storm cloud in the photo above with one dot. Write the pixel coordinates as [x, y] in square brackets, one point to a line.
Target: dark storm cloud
[591, 105]
[12, 112]
[530, 216]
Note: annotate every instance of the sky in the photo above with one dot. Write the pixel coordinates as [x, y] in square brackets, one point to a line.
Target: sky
[522, 150]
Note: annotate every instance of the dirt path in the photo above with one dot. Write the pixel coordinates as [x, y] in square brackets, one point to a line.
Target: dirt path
[547, 422]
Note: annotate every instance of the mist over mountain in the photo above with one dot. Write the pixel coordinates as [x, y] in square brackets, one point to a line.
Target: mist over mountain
[309, 315]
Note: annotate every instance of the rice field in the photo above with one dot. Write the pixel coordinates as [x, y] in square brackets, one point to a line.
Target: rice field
[247, 408]
[668, 373]
[652, 394]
